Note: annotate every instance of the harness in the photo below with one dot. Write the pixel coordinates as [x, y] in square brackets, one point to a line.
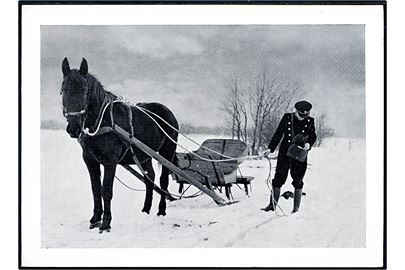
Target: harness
[108, 103]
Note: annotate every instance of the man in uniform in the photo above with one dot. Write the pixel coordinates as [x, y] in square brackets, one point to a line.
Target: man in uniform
[292, 124]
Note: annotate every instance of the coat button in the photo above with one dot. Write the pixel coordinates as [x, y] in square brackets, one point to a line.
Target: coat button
[289, 141]
[308, 120]
[303, 131]
[289, 134]
[289, 122]
[289, 128]
[306, 125]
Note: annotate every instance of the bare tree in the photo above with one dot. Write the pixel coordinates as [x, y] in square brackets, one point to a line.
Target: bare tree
[284, 97]
[322, 129]
[261, 102]
[269, 101]
[256, 101]
[234, 106]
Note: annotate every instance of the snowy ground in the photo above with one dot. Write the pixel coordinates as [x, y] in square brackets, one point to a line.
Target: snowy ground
[333, 213]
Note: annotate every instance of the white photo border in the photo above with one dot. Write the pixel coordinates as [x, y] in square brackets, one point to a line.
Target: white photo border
[33, 16]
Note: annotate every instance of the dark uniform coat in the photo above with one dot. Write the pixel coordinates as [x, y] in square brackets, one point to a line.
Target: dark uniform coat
[285, 132]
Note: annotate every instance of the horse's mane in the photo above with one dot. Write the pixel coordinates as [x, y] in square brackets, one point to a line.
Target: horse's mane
[96, 89]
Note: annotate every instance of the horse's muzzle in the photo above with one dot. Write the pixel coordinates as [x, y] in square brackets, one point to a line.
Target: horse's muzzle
[74, 132]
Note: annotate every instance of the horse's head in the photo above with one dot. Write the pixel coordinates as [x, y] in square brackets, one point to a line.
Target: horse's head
[74, 92]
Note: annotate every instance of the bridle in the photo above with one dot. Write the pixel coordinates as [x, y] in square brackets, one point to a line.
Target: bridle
[82, 114]
[66, 114]
[106, 103]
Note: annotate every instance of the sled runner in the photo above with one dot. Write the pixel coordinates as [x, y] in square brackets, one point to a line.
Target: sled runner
[203, 166]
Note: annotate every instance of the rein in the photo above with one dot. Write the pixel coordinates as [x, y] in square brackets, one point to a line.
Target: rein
[98, 130]
[100, 116]
[109, 102]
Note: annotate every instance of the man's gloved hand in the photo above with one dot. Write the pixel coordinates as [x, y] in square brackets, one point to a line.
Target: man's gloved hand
[306, 147]
[266, 152]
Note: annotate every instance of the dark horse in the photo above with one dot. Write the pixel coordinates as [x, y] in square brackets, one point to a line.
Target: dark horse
[83, 101]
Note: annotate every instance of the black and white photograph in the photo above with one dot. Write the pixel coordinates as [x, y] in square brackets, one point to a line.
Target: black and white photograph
[180, 132]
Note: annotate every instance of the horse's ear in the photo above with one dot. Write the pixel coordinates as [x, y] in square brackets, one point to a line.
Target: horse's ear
[65, 67]
[84, 69]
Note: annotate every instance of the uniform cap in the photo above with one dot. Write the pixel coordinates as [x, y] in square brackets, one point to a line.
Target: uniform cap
[303, 107]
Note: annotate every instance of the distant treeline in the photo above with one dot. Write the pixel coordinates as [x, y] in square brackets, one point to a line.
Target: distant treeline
[186, 128]
[52, 124]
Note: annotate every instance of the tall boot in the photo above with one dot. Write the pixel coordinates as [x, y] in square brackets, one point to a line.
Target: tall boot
[275, 194]
[297, 200]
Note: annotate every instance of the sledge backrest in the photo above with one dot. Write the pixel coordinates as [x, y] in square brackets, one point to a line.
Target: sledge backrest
[217, 173]
[228, 147]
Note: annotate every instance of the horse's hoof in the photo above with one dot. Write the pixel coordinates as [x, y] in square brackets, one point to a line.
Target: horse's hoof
[170, 198]
[95, 225]
[161, 213]
[145, 211]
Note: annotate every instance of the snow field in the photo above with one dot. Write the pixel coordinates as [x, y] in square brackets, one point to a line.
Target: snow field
[331, 215]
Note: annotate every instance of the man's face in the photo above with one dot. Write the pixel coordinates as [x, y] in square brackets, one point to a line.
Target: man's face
[303, 115]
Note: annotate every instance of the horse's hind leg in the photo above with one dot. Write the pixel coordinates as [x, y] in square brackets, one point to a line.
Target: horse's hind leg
[107, 194]
[164, 184]
[94, 170]
[147, 167]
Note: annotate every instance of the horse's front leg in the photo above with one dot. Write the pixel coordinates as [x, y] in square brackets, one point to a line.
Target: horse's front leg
[147, 167]
[94, 170]
[107, 194]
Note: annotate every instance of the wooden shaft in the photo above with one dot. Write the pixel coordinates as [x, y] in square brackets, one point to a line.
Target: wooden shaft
[125, 135]
[140, 177]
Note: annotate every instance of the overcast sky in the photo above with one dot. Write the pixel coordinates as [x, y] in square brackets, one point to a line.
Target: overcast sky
[186, 67]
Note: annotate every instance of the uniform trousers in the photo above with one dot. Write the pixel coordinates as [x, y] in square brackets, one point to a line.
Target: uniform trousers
[297, 170]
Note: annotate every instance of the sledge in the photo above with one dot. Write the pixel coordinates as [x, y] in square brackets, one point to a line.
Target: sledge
[175, 169]
[215, 165]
